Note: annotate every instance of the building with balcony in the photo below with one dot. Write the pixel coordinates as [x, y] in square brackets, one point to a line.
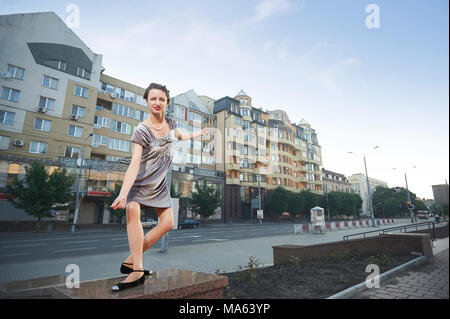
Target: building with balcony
[335, 182]
[48, 82]
[263, 149]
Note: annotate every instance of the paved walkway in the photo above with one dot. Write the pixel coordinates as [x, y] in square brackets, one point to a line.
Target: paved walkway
[428, 281]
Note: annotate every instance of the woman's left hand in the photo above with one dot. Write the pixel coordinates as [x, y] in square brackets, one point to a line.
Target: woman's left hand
[204, 131]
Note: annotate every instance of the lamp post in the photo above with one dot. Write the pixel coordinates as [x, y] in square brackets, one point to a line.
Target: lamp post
[225, 117]
[75, 217]
[372, 217]
[411, 213]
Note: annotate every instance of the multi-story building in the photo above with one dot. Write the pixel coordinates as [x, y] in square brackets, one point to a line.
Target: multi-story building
[359, 186]
[49, 80]
[56, 106]
[263, 150]
[196, 158]
[440, 194]
[335, 182]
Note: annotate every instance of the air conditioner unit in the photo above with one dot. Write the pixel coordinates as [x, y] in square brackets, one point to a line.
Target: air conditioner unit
[19, 142]
[6, 75]
[41, 109]
[113, 95]
[74, 117]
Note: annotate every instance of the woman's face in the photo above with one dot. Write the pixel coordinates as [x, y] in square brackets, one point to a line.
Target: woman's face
[156, 101]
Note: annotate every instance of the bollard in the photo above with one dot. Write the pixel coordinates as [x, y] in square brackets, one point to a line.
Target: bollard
[164, 243]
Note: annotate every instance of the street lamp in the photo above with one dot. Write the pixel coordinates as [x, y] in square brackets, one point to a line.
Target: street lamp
[372, 218]
[410, 208]
[75, 217]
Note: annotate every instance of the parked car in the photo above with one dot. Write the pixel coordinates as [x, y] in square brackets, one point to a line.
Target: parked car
[149, 223]
[188, 223]
[286, 216]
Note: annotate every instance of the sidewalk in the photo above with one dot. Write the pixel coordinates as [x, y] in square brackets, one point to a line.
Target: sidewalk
[428, 281]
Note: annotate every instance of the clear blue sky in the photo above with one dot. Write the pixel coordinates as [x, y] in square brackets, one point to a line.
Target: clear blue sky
[317, 60]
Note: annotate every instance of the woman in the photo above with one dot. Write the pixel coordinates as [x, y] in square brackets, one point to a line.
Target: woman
[145, 182]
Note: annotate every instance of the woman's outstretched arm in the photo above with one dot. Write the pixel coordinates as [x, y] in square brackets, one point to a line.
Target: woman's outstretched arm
[187, 136]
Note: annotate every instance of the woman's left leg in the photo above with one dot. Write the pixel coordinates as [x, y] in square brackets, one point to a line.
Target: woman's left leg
[165, 224]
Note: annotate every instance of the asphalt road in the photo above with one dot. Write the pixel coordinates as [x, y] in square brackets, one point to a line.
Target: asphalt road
[16, 248]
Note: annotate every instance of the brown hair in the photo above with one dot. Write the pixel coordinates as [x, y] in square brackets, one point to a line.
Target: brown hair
[159, 87]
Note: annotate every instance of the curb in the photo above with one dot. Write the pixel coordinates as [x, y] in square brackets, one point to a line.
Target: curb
[349, 292]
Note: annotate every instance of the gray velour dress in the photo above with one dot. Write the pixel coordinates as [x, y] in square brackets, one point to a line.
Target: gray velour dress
[150, 187]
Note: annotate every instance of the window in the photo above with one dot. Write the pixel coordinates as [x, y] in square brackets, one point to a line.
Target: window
[10, 94]
[50, 82]
[106, 87]
[120, 127]
[73, 152]
[99, 140]
[237, 120]
[195, 117]
[78, 110]
[122, 110]
[81, 91]
[120, 93]
[100, 121]
[4, 142]
[129, 96]
[16, 72]
[75, 131]
[47, 103]
[85, 74]
[38, 147]
[56, 64]
[179, 112]
[7, 117]
[140, 100]
[140, 115]
[42, 125]
[119, 145]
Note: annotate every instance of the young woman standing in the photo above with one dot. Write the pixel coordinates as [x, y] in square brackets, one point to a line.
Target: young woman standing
[145, 182]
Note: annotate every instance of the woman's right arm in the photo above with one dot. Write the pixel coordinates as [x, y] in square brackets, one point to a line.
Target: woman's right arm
[130, 177]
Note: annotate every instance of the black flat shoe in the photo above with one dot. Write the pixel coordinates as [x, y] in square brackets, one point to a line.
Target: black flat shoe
[128, 270]
[125, 285]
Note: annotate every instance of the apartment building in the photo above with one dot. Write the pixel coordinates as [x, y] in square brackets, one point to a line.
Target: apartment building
[263, 150]
[335, 182]
[359, 186]
[48, 82]
[58, 105]
[440, 194]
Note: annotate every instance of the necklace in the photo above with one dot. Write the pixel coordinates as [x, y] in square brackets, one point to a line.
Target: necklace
[156, 128]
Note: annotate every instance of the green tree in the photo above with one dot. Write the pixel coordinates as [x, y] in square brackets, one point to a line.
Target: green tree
[391, 202]
[279, 201]
[205, 199]
[296, 203]
[38, 191]
[311, 200]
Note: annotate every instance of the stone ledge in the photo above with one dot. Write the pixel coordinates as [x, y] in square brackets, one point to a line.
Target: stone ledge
[397, 244]
[163, 284]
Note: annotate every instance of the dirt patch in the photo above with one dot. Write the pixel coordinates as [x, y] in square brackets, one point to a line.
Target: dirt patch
[305, 280]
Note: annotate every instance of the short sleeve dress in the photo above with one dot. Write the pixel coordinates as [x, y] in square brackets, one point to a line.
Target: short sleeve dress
[150, 187]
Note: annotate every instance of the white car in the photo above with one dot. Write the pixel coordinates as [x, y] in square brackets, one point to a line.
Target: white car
[149, 223]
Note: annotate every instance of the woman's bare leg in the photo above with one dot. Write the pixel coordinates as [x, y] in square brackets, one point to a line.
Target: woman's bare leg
[165, 224]
[135, 238]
